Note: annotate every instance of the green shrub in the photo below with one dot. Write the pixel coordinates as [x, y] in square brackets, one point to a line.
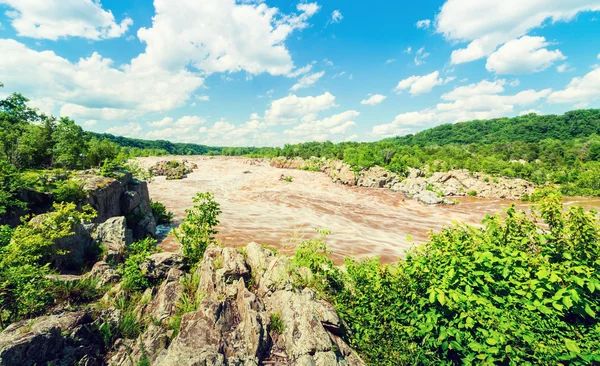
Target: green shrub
[515, 291]
[11, 183]
[161, 215]
[109, 168]
[77, 292]
[133, 277]
[189, 300]
[6, 233]
[472, 193]
[69, 191]
[197, 230]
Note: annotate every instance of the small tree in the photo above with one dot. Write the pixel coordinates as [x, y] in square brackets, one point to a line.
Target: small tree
[10, 185]
[197, 230]
[69, 143]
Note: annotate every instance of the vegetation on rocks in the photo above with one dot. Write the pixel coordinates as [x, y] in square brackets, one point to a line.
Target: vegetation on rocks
[523, 289]
[198, 228]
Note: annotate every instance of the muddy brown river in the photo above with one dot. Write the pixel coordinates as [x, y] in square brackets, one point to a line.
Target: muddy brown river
[258, 207]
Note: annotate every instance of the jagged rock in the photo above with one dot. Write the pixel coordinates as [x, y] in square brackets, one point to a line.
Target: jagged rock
[158, 265]
[64, 339]
[428, 197]
[135, 204]
[115, 237]
[377, 177]
[104, 194]
[232, 325]
[173, 169]
[104, 273]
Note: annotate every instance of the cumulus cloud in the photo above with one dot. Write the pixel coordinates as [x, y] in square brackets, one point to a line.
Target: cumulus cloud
[54, 19]
[325, 129]
[307, 80]
[523, 56]
[374, 99]
[129, 130]
[223, 35]
[581, 91]
[530, 111]
[423, 24]
[421, 84]
[487, 24]
[291, 108]
[481, 100]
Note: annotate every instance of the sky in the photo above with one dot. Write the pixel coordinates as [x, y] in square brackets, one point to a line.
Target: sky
[271, 72]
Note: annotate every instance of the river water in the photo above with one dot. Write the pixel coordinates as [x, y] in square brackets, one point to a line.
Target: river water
[258, 207]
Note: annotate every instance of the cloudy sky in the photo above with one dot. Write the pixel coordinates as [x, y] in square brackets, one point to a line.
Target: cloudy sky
[269, 72]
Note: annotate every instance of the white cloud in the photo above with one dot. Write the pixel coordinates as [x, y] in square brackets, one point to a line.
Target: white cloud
[223, 35]
[328, 62]
[90, 123]
[53, 19]
[581, 91]
[423, 24]
[307, 80]
[523, 56]
[566, 67]
[598, 57]
[408, 50]
[92, 84]
[374, 99]
[291, 108]
[129, 130]
[336, 17]
[77, 112]
[324, 129]
[475, 101]
[300, 71]
[389, 61]
[420, 56]
[421, 84]
[529, 111]
[203, 98]
[488, 24]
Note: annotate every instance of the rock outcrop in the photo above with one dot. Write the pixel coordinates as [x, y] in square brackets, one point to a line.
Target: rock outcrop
[173, 169]
[426, 188]
[250, 313]
[124, 196]
[115, 237]
[63, 339]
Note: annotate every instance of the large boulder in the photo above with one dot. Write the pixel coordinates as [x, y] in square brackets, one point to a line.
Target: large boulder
[158, 265]
[135, 205]
[63, 339]
[115, 237]
[104, 194]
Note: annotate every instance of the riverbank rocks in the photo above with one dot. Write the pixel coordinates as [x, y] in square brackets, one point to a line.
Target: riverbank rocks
[63, 339]
[428, 188]
[173, 169]
[158, 265]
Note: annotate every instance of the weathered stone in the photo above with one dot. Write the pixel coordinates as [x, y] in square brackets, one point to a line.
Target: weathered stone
[115, 237]
[157, 265]
[56, 339]
[104, 273]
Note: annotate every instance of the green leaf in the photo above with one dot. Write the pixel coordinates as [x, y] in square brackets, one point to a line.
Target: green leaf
[567, 301]
[432, 297]
[589, 311]
[572, 346]
[491, 341]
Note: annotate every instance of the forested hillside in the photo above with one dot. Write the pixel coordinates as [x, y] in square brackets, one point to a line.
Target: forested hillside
[172, 148]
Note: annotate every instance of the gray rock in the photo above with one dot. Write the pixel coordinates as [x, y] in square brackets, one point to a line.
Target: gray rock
[115, 237]
[158, 265]
[104, 273]
[64, 339]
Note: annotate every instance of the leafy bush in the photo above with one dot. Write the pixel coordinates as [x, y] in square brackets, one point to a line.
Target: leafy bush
[10, 185]
[133, 277]
[161, 215]
[277, 325]
[5, 235]
[109, 169]
[138, 171]
[69, 191]
[516, 291]
[197, 230]
[472, 193]
[25, 285]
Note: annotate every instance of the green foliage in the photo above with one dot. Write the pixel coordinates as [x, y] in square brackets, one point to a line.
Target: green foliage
[515, 291]
[109, 169]
[133, 277]
[472, 193]
[277, 325]
[6, 233]
[69, 144]
[80, 291]
[138, 171]
[11, 183]
[198, 228]
[25, 264]
[69, 191]
[189, 300]
[161, 215]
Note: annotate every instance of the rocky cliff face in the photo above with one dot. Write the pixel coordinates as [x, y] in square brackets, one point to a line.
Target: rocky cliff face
[124, 196]
[427, 188]
[249, 312]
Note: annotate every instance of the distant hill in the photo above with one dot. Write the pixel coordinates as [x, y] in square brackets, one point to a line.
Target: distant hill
[528, 128]
[174, 148]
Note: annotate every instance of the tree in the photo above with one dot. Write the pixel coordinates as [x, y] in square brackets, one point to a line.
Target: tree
[10, 185]
[69, 143]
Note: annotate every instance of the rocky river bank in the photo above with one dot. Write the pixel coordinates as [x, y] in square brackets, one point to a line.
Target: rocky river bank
[428, 188]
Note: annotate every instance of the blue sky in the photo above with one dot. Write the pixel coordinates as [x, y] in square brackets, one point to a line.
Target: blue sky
[232, 73]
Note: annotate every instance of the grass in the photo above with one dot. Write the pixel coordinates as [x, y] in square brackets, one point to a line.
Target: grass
[277, 325]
